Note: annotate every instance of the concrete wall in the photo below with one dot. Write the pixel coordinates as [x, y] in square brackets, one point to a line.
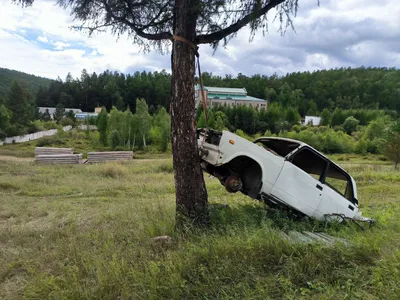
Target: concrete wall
[85, 127]
[32, 136]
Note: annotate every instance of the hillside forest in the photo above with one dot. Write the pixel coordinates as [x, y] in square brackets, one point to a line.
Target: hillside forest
[357, 106]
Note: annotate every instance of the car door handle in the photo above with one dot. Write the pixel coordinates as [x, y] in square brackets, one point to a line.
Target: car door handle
[319, 187]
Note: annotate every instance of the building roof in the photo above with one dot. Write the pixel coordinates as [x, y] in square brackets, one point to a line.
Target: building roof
[235, 98]
[224, 90]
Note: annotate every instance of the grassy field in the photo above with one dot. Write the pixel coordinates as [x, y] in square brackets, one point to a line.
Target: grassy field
[84, 232]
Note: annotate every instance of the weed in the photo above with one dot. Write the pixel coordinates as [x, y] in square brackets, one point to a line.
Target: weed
[112, 170]
[166, 168]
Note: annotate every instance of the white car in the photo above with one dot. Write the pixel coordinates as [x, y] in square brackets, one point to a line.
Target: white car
[281, 172]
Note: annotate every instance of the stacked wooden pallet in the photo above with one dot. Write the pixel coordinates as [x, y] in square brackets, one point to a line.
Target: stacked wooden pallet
[95, 157]
[59, 159]
[52, 151]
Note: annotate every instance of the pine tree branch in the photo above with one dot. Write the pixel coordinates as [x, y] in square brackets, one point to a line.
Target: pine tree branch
[138, 30]
[223, 33]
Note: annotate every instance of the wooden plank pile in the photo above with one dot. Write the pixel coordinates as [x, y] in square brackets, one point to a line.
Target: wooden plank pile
[96, 157]
[59, 159]
[46, 155]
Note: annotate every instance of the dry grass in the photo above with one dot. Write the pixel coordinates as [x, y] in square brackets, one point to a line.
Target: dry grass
[112, 170]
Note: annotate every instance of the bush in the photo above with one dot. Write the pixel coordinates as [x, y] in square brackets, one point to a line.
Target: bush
[3, 135]
[376, 146]
[50, 141]
[115, 139]
[361, 147]
[296, 128]
[350, 124]
[15, 130]
[34, 127]
[67, 122]
[49, 125]
[120, 148]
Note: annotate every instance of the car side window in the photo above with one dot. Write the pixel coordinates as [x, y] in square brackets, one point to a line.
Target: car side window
[310, 162]
[338, 180]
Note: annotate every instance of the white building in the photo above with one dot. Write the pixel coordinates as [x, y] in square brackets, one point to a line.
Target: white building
[52, 110]
[312, 120]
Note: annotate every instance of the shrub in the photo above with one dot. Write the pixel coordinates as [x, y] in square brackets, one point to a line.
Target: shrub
[115, 139]
[50, 141]
[34, 127]
[67, 122]
[49, 125]
[15, 130]
[3, 135]
[350, 124]
[296, 128]
[361, 147]
[119, 148]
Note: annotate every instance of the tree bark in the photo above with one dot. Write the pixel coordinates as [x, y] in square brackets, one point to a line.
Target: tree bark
[191, 193]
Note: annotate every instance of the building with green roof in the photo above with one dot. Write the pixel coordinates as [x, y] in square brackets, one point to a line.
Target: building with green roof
[230, 96]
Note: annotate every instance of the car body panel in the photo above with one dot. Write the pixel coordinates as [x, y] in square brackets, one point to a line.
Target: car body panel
[298, 189]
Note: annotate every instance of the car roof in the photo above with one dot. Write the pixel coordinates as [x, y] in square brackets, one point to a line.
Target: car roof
[281, 139]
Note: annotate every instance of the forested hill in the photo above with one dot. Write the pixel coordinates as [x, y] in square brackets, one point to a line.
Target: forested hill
[369, 88]
[31, 82]
[309, 92]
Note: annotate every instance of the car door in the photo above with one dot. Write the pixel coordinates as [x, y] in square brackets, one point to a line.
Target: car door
[337, 196]
[298, 185]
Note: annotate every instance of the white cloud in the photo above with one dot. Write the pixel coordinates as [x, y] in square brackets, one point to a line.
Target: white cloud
[42, 39]
[335, 34]
[60, 45]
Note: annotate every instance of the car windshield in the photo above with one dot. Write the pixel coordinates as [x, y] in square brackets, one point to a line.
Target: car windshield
[277, 146]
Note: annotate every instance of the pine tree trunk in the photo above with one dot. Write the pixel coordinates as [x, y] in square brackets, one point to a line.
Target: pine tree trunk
[191, 193]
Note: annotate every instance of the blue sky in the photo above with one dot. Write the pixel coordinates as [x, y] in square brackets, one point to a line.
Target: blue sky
[38, 40]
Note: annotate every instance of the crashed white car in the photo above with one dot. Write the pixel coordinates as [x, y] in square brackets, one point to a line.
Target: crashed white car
[281, 172]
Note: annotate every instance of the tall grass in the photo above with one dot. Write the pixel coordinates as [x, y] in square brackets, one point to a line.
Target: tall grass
[85, 232]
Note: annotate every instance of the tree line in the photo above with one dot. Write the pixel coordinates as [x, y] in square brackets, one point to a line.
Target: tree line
[364, 93]
[309, 92]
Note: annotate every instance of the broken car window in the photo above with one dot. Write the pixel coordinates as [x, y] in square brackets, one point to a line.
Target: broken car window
[277, 146]
[339, 181]
[310, 162]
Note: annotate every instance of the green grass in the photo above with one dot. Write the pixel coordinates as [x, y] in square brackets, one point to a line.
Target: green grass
[84, 232]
